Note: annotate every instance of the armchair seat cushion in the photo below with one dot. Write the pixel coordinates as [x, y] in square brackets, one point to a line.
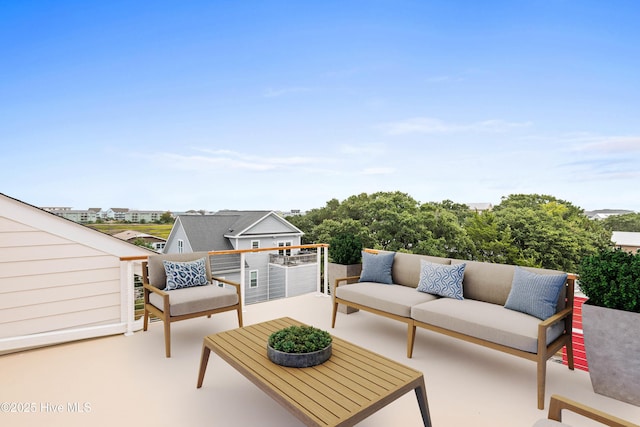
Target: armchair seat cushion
[196, 299]
[394, 299]
[490, 322]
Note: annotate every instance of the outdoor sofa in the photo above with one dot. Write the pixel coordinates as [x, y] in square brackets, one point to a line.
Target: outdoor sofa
[526, 312]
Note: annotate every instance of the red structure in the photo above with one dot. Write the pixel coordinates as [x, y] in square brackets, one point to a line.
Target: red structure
[579, 354]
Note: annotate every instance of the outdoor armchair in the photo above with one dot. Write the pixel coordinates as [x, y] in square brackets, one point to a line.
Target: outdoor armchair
[188, 293]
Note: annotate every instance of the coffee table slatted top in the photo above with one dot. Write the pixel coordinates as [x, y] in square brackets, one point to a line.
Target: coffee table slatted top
[351, 385]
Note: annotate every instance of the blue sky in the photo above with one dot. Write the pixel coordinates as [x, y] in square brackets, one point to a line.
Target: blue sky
[175, 105]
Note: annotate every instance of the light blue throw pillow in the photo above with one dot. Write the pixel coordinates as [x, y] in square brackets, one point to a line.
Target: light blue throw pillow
[185, 274]
[377, 267]
[535, 294]
[442, 280]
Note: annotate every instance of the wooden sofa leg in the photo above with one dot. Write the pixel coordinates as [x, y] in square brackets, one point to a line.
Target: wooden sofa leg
[569, 350]
[333, 315]
[542, 378]
[167, 337]
[145, 325]
[411, 338]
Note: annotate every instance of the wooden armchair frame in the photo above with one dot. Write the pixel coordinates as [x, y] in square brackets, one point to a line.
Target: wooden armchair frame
[164, 314]
[558, 403]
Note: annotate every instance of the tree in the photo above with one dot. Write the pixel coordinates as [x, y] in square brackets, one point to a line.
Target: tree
[166, 218]
[626, 222]
[548, 232]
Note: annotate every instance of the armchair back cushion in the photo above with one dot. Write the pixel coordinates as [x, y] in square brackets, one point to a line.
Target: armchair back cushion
[157, 275]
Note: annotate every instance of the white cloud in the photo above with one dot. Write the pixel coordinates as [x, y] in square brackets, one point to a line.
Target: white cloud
[612, 144]
[378, 171]
[434, 125]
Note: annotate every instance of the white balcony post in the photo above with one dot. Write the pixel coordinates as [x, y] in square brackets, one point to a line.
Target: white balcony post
[326, 269]
[318, 269]
[127, 299]
[242, 278]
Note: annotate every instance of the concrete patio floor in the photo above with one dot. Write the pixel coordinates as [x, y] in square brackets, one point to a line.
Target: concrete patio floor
[127, 381]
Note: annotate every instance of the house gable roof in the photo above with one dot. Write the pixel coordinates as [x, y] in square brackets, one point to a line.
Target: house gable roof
[212, 232]
[37, 218]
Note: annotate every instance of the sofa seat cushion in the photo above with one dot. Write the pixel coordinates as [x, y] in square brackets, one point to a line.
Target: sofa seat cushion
[196, 299]
[491, 322]
[394, 299]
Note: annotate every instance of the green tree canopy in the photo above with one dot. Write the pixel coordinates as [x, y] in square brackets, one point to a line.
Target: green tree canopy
[524, 229]
[626, 222]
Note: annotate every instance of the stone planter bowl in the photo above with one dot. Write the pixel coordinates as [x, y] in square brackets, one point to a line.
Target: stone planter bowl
[299, 360]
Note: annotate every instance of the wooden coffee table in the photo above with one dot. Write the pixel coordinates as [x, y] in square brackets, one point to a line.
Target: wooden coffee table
[343, 391]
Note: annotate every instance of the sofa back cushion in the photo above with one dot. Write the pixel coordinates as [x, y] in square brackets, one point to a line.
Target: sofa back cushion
[485, 281]
[157, 274]
[490, 282]
[406, 268]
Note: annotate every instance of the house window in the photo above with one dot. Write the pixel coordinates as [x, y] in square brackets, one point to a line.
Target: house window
[253, 279]
[255, 244]
[180, 246]
[284, 252]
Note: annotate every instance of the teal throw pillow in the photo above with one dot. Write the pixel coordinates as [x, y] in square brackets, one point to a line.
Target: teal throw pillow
[377, 267]
[442, 280]
[535, 294]
[185, 274]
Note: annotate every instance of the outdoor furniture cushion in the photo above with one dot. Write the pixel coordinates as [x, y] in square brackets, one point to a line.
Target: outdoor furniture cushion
[406, 267]
[377, 267]
[185, 274]
[535, 294]
[490, 322]
[394, 299]
[442, 280]
[196, 299]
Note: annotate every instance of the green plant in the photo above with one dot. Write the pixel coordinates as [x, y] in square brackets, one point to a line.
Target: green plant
[611, 279]
[299, 339]
[345, 249]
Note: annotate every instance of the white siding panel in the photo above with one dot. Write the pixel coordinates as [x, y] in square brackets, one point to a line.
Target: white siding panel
[76, 320]
[45, 267]
[55, 308]
[56, 294]
[29, 238]
[31, 253]
[57, 280]
[8, 225]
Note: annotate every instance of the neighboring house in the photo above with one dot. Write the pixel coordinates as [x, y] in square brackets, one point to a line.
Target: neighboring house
[81, 216]
[132, 236]
[605, 213]
[480, 207]
[59, 280]
[626, 240]
[229, 230]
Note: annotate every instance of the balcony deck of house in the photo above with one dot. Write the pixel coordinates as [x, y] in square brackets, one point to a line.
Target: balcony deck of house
[127, 381]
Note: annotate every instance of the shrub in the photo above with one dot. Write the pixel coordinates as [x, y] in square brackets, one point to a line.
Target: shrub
[299, 339]
[345, 249]
[611, 279]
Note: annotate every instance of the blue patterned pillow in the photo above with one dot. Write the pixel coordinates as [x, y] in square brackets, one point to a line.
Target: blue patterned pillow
[377, 267]
[535, 294]
[440, 279]
[185, 274]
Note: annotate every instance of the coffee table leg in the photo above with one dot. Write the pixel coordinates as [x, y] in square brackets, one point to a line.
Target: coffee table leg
[421, 395]
[206, 351]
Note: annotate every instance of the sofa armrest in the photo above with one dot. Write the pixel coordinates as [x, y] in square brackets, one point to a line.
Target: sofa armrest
[347, 280]
[558, 403]
[556, 317]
